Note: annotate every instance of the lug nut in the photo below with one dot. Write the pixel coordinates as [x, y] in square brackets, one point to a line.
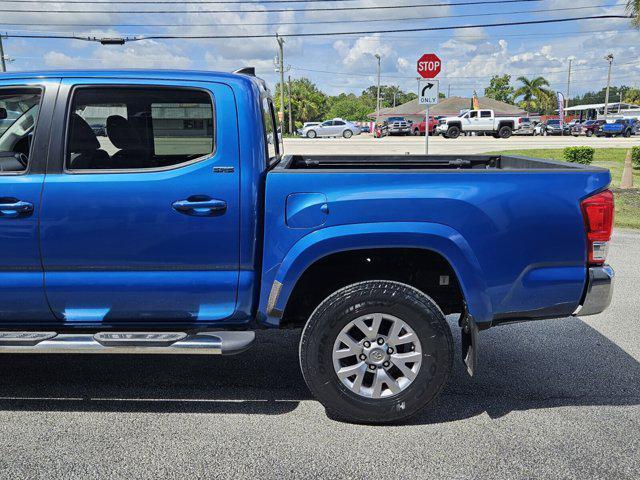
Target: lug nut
[363, 356]
[380, 341]
[386, 364]
[366, 344]
[390, 351]
[372, 367]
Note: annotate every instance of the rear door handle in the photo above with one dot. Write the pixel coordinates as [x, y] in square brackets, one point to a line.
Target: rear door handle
[200, 206]
[12, 208]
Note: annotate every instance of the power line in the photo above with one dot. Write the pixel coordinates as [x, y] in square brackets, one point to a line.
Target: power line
[413, 77]
[122, 40]
[312, 22]
[313, 9]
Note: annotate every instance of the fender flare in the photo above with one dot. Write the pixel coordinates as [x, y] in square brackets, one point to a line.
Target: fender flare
[439, 238]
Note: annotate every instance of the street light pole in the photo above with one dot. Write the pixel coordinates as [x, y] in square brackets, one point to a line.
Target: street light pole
[281, 55]
[378, 95]
[568, 86]
[608, 58]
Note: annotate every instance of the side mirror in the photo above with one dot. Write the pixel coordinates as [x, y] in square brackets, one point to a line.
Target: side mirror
[3, 113]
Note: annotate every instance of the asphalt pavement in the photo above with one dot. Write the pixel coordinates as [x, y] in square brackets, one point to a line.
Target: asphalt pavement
[552, 399]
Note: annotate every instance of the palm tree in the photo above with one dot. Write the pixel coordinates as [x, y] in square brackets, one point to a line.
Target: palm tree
[633, 7]
[533, 92]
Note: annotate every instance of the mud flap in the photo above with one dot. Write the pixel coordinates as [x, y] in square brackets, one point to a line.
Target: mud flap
[469, 336]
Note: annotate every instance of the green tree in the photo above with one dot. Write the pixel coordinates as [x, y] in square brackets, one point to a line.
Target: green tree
[308, 103]
[633, 7]
[387, 93]
[500, 88]
[350, 107]
[535, 94]
[599, 96]
[632, 95]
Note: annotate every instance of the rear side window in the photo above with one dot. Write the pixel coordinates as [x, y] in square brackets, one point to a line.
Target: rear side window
[19, 108]
[485, 114]
[270, 129]
[138, 128]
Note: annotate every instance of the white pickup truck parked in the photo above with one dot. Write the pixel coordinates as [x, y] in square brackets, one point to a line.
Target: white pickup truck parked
[483, 121]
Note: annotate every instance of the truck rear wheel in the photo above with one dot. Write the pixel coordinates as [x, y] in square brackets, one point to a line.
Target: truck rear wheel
[453, 132]
[376, 352]
[505, 131]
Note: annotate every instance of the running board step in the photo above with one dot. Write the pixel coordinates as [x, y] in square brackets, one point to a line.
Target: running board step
[209, 343]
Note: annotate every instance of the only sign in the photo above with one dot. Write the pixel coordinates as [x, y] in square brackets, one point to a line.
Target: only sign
[429, 65]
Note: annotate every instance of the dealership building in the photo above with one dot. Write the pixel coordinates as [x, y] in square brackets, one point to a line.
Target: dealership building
[447, 107]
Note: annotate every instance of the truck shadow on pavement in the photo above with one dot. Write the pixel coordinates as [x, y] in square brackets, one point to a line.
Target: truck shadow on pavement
[537, 365]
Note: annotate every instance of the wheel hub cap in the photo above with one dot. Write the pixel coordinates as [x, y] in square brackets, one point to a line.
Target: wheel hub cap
[377, 355]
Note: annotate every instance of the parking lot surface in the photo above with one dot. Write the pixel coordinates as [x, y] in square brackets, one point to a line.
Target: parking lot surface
[366, 144]
[552, 399]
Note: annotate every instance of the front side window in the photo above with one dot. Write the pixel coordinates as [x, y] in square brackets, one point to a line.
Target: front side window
[18, 117]
[138, 128]
[473, 114]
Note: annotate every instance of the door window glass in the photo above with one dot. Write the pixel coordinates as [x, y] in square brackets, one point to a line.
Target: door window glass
[485, 114]
[473, 114]
[18, 117]
[138, 128]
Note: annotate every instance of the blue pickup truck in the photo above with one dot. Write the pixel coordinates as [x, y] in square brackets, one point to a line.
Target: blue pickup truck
[181, 227]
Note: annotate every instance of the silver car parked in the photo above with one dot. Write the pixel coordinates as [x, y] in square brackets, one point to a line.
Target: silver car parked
[332, 128]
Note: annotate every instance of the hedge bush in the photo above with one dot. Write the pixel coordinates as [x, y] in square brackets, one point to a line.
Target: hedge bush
[635, 157]
[583, 155]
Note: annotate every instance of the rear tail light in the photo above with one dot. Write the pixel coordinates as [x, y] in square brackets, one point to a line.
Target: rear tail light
[597, 211]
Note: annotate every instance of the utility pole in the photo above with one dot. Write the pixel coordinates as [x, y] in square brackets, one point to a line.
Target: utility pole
[608, 58]
[290, 109]
[3, 65]
[449, 91]
[378, 95]
[568, 86]
[281, 61]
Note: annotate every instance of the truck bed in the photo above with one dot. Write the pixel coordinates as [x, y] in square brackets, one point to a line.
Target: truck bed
[520, 217]
[425, 162]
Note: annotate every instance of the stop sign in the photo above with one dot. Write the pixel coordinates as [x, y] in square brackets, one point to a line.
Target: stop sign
[429, 65]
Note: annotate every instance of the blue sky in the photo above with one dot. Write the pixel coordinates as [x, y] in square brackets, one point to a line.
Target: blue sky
[344, 63]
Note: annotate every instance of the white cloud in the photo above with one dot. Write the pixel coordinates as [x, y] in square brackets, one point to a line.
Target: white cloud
[147, 54]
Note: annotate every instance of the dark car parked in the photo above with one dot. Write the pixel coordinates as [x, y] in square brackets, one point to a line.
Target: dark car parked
[554, 127]
[588, 128]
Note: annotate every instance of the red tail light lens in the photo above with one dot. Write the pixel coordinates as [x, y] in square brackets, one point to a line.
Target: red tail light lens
[597, 211]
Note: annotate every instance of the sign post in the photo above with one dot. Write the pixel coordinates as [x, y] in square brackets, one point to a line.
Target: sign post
[428, 67]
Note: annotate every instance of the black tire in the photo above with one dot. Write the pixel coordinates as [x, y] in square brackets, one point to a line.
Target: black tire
[589, 133]
[347, 134]
[505, 131]
[453, 132]
[403, 301]
[312, 134]
[416, 132]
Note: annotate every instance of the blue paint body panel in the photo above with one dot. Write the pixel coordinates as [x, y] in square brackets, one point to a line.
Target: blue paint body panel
[108, 249]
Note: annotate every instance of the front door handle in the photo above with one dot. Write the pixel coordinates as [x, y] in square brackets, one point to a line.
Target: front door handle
[12, 208]
[200, 206]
